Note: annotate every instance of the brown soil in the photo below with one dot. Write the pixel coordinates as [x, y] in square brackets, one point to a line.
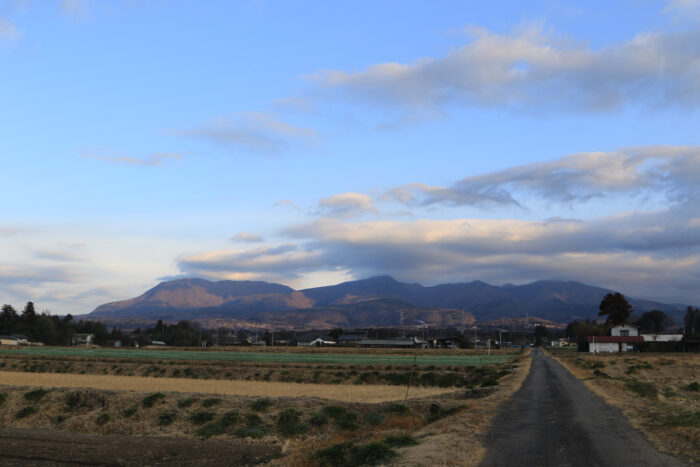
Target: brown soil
[22, 447]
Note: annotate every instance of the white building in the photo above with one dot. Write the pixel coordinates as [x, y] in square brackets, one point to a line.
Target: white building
[662, 337]
[622, 338]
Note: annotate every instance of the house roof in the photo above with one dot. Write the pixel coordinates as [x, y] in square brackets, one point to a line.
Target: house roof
[629, 325]
[616, 339]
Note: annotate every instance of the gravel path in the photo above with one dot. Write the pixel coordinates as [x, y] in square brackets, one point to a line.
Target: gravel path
[555, 420]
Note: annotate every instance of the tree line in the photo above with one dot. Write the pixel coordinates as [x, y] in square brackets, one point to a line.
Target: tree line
[48, 329]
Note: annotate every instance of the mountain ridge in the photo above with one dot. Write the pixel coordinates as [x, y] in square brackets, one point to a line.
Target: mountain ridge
[395, 302]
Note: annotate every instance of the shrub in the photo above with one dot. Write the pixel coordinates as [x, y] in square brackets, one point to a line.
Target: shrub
[184, 403]
[210, 429]
[26, 411]
[377, 452]
[58, 419]
[3, 398]
[684, 418]
[253, 428]
[230, 418]
[84, 399]
[36, 395]
[342, 417]
[374, 418]
[694, 387]
[489, 382]
[399, 441]
[289, 423]
[102, 419]
[201, 417]
[337, 454]
[642, 388]
[318, 419]
[129, 411]
[398, 409]
[211, 402]
[166, 418]
[261, 405]
[151, 399]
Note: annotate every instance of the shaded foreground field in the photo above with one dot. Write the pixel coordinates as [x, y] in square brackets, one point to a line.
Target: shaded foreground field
[658, 393]
[440, 425]
[346, 393]
[362, 357]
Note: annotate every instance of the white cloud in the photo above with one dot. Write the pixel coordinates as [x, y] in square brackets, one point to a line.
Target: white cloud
[75, 8]
[536, 70]
[8, 31]
[282, 203]
[154, 160]
[280, 261]
[671, 171]
[255, 132]
[246, 238]
[346, 204]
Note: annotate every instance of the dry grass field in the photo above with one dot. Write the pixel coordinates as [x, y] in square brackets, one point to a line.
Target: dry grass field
[305, 424]
[658, 393]
[372, 393]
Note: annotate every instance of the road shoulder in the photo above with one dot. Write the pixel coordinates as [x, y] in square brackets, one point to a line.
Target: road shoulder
[650, 390]
[459, 439]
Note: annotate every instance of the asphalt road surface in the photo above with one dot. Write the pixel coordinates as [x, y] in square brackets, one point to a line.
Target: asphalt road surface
[554, 420]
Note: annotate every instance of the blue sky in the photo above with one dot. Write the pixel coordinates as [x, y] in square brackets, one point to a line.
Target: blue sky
[313, 142]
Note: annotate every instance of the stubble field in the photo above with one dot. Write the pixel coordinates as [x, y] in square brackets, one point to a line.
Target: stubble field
[346, 414]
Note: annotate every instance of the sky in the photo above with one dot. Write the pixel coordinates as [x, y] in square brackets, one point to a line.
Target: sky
[314, 142]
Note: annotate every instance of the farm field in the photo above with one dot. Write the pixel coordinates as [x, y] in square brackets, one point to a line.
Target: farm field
[348, 422]
[266, 367]
[658, 393]
[339, 392]
[362, 356]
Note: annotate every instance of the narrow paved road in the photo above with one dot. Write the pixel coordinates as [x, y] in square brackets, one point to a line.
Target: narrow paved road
[555, 420]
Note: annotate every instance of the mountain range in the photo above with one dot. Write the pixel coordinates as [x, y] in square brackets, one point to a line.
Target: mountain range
[374, 302]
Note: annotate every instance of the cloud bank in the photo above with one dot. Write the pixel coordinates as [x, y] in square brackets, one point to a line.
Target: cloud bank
[670, 171]
[635, 251]
[536, 70]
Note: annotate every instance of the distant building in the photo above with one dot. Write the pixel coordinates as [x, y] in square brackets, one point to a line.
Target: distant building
[352, 338]
[622, 338]
[9, 340]
[446, 343]
[318, 342]
[405, 342]
[83, 339]
[662, 337]
[21, 339]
